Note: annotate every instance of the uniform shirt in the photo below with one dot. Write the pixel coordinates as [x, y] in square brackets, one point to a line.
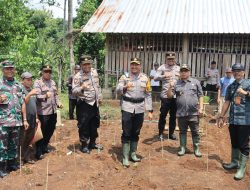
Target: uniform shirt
[153, 82]
[214, 77]
[141, 89]
[239, 114]
[91, 95]
[187, 97]
[31, 105]
[11, 109]
[46, 106]
[69, 85]
[224, 83]
[31, 109]
[160, 76]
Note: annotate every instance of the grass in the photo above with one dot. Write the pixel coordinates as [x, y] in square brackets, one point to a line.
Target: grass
[107, 109]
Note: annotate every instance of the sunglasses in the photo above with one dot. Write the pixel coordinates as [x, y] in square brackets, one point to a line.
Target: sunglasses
[47, 71]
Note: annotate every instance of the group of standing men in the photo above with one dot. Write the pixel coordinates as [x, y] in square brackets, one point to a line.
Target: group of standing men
[181, 96]
[23, 108]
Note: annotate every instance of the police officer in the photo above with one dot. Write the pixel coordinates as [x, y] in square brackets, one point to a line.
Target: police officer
[72, 98]
[135, 89]
[87, 89]
[47, 103]
[11, 107]
[165, 73]
[189, 100]
[238, 99]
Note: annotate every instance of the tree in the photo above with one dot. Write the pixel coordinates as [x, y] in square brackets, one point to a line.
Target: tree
[86, 43]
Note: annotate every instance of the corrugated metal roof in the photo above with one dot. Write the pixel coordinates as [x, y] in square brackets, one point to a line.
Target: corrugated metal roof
[171, 16]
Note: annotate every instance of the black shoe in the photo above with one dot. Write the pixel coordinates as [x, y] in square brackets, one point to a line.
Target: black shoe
[3, 171]
[12, 165]
[84, 147]
[173, 137]
[95, 146]
[85, 150]
[46, 151]
[161, 138]
[39, 156]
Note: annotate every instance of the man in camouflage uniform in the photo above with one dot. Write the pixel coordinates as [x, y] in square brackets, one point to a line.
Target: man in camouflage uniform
[135, 89]
[165, 73]
[87, 89]
[72, 98]
[11, 107]
[47, 103]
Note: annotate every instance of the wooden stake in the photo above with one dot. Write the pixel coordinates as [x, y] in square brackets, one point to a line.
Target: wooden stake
[20, 159]
[47, 175]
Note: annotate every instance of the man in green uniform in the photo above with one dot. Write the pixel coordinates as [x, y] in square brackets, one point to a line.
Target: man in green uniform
[11, 107]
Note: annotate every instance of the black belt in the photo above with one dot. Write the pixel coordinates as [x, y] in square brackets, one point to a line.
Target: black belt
[133, 100]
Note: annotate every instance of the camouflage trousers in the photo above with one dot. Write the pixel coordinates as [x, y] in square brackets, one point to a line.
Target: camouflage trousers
[9, 141]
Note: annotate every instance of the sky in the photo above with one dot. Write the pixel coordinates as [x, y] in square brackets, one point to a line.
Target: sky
[57, 10]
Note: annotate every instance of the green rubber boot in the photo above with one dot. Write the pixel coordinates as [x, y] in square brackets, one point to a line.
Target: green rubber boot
[243, 165]
[196, 143]
[125, 151]
[133, 149]
[235, 156]
[183, 143]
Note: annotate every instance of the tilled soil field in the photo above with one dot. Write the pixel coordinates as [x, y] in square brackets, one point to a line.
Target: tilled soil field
[66, 168]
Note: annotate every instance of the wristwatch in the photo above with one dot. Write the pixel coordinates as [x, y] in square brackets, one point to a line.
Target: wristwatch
[248, 93]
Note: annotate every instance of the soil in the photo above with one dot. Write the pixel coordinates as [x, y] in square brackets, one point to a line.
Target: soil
[66, 168]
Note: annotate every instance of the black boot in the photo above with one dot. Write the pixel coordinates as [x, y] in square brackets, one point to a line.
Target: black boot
[93, 145]
[3, 172]
[84, 148]
[12, 165]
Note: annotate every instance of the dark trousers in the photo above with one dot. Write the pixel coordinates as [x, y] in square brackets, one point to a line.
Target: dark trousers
[212, 92]
[72, 105]
[131, 126]
[167, 105]
[26, 136]
[156, 91]
[48, 125]
[189, 121]
[88, 121]
[239, 135]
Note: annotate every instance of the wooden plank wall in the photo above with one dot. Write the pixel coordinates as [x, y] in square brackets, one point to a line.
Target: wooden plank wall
[151, 48]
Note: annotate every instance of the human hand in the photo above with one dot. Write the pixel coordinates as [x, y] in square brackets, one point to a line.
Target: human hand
[26, 125]
[150, 115]
[48, 94]
[168, 75]
[3, 98]
[241, 91]
[220, 122]
[33, 92]
[85, 86]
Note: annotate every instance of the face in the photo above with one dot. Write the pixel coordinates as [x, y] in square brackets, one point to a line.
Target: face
[46, 74]
[156, 67]
[27, 82]
[213, 66]
[135, 68]
[86, 68]
[170, 62]
[184, 74]
[77, 70]
[238, 75]
[9, 72]
[229, 74]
